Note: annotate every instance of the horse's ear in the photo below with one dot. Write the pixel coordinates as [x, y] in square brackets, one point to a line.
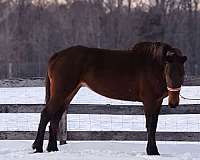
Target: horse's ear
[169, 57]
[183, 59]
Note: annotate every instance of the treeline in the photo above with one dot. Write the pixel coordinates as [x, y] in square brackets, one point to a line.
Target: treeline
[32, 30]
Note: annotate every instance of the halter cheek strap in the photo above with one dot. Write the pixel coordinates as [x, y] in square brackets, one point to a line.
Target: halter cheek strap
[173, 89]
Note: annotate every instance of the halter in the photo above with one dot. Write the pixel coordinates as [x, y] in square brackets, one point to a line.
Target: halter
[173, 89]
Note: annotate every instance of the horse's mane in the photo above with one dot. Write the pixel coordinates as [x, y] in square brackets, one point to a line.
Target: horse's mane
[154, 50]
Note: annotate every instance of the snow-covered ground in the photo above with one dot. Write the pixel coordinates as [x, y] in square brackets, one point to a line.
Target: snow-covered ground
[21, 150]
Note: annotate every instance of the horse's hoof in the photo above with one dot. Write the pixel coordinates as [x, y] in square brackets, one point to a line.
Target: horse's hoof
[38, 148]
[38, 151]
[63, 142]
[152, 151]
[52, 148]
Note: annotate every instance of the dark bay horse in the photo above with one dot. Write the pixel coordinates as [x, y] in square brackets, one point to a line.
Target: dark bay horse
[147, 73]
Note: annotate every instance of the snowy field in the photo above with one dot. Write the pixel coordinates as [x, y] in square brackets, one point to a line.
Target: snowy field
[21, 150]
[36, 95]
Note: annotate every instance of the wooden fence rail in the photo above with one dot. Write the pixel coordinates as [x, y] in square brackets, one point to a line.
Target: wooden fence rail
[100, 109]
[101, 135]
[105, 135]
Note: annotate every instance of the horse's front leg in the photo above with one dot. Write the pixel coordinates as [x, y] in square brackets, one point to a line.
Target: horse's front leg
[151, 125]
[152, 110]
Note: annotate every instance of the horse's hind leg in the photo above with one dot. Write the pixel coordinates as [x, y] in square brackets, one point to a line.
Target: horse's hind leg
[38, 143]
[56, 111]
[57, 107]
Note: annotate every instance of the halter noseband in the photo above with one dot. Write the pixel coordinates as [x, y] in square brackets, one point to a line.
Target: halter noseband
[173, 89]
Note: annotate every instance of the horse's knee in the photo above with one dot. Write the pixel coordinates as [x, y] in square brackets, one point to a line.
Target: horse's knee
[151, 123]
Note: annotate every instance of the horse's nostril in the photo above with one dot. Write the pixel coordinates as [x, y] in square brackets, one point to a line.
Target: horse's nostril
[173, 105]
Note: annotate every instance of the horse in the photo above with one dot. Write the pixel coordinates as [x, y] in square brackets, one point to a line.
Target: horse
[149, 72]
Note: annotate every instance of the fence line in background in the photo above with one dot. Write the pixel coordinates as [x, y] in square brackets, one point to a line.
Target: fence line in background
[101, 135]
[105, 135]
[22, 70]
[100, 109]
[38, 69]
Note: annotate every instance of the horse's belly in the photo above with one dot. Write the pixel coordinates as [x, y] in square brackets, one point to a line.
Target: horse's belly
[120, 89]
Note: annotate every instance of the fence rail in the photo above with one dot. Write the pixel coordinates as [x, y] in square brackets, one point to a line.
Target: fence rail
[105, 135]
[101, 135]
[100, 109]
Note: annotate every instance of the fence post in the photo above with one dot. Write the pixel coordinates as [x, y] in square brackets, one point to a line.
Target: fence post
[9, 70]
[63, 129]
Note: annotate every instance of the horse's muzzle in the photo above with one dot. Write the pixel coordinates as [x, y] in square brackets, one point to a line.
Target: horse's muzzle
[173, 105]
[173, 100]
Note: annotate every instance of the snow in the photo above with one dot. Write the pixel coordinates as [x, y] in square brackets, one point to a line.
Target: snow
[109, 150]
[21, 150]
[36, 95]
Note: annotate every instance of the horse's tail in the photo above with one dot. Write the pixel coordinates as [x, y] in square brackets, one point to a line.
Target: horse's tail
[47, 86]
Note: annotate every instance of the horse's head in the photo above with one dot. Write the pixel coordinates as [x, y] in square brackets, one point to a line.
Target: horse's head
[174, 74]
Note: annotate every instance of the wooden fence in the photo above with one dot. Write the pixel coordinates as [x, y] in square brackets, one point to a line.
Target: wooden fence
[100, 135]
